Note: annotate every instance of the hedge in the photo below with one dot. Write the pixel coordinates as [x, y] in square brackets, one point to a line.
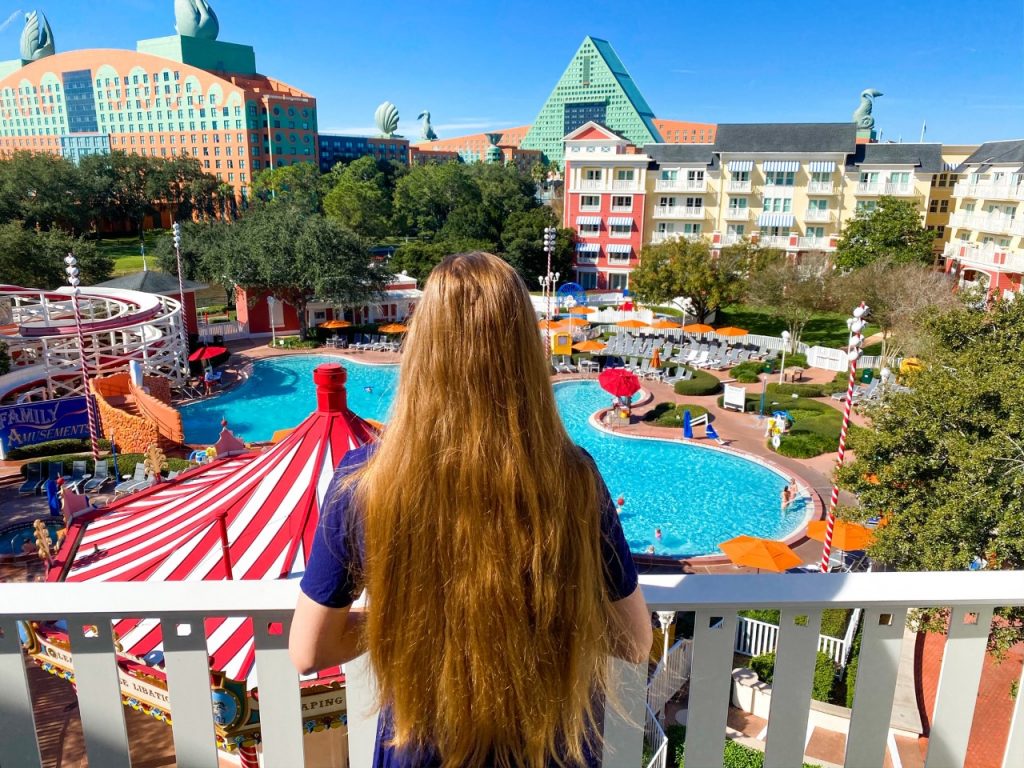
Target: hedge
[734, 755]
[833, 620]
[824, 673]
[125, 463]
[671, 415]
[794, 358]
[702, 383]
[294, 342]
[55, 448]
[747, 372]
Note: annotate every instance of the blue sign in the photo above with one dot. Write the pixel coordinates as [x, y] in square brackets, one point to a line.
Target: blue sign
[32, 423]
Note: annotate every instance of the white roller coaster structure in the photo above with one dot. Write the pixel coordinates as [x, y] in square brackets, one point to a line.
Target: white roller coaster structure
[119, 326]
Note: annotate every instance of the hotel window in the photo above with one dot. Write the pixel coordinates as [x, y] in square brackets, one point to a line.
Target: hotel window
[695, 175]
[817, 205]
[816, 232]
[740, 175]
[624, 175]
[691, 229]
[618, 281]
[620, 230]
[780, 178]
[622, 203]
[589, 229]
[735, 229]
[933, 206]
[738, 204]
[866, 206]
[669, 175]
[695, 202]
[943, 206]
[900, 179]
[666, 202]
[778, 204]
[593, 174]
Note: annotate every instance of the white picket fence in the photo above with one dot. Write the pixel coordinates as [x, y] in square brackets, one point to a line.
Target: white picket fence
[669, 675]
[754, 638]
[230, 330]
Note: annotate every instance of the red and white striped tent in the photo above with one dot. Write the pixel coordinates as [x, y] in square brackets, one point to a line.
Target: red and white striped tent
[266, 504]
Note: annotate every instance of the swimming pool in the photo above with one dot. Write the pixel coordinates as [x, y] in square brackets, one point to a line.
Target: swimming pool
[13, 538]
[698, 497]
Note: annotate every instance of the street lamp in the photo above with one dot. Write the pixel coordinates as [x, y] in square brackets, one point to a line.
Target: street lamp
[856, 324]
[273, 325]
[176, 227]
[782, 366]
[71, 268]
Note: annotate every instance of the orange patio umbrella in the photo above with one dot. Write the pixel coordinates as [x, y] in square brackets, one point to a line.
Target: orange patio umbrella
[846, 536]
[760, 553]
[550, 325]
[731, 330]
[698, 328]
[393, 328]
[632, 324]
[666, 325]
[590, 345]
[579, 309]
[574, 322]
[333, 325]
[656, 358]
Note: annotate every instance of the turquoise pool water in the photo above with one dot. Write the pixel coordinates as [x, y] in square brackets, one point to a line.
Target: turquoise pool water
[13, 538]
[698, 497]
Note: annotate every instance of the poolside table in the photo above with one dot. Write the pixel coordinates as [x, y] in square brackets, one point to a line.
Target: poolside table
[793, 373]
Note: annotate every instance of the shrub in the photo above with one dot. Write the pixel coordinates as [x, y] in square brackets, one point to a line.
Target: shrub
[671, 415]
[793, 358]
[125, 463]
[294, 342]
[702, 383]
[734, 754]
[5, 358]
[776, 391]
[833, 620]
[55, 448]
[824, 673]
[747, 372]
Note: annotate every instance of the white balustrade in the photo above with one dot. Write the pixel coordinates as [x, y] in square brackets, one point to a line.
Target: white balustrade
[820, 187]
[737, 214]
[90, 608]
[987, 190]
[679, 212]
[818, 214]
[739, 186]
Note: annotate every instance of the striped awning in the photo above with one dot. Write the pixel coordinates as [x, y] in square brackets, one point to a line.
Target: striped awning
[587, 247]
[775, 220]
[620, 221]
[822, 166]
[736, 166]
[582, 221]
[788, 166]
[619, 248]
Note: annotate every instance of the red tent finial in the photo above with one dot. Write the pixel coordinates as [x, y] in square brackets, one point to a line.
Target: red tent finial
[331, 396]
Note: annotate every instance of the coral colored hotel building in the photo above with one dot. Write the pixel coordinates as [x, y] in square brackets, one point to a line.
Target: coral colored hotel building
[176, 95]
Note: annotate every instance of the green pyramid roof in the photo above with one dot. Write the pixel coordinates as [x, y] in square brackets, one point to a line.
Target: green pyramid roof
[595, 86]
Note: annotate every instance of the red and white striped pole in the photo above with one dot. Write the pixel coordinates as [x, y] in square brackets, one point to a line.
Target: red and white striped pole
[856, 325]
[71, 267]
[248, 755]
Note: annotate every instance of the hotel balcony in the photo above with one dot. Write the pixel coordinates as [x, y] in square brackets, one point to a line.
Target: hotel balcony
[583, 257]
[706, 676]
[987, 190]
[626, 185]
[988, 256]
[996, 223]
[817, 215]
[878, 188]
[820, 188]
[738, 186]
[775, 241]
[668, 237]
[681, 185]
[736, 214]
[816, 244]
[680, 212]
[590, 185]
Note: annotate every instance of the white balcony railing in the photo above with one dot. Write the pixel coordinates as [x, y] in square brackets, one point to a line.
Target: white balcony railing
[738, 185]
[880, 188]
[869, 187]
[899, 190]
[817, 214]
[592, 185]
[625, 185]
[816, 244]
[668, 237]
[820, 187]
[679, 212]
[731, 238]
[681, 185]
[774, 241]
[996, 223]
[737, 214]
[987, 190]
[986, 256]
[182, 607]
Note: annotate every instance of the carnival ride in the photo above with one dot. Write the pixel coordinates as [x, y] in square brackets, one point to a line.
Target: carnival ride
[243, 515]
[118, 326]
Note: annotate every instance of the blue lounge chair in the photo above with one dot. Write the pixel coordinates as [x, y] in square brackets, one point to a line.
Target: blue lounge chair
[33, 480]
[100, 476]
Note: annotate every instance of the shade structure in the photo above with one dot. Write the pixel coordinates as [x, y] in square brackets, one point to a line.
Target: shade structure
[206, 353]
[731, 330]
[698, 328]
[581, 310]
[633, 324]
[619, 382]
[333, 325]
[590, 345]
[393, 328]
[758, 553]
[665, 325]
[266, 505]
[846, 536]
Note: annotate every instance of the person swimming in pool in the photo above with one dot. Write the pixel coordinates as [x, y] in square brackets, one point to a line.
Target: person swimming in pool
[368, 389]
[787, 496]
[657, 533]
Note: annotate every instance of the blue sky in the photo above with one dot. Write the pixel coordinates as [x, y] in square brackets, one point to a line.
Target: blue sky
[483, 65]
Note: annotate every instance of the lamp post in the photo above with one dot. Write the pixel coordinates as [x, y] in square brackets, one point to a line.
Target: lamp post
[782, 365]
[273, 325]
[71, 268]
[856, 325]
[176, 227]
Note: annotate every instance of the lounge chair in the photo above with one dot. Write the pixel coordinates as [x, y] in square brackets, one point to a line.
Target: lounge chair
[56, 470]
[135, 481]
[33, 480]
[78, 475]
[100, 477]
[676, 375]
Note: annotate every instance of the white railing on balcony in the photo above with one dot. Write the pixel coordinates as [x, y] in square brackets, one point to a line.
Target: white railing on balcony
[820, 187]
[755, 637]
[898, 189]
[987, 190]
[625, 185]
[679, 212]
[655, 741]
[997, 223]
[986, 256]
[774, 241]
[731, 238]
[681, 185]
[869, 187]
[816, 243]
[598, 185]
[229, 330]
[737, 214]
[181, 607]
[817, 214]
[738, 185]
[669, 676]
[667, 237]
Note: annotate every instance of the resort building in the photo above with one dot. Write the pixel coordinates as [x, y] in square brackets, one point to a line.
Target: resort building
[185, 94]
[789, 186]
[336, 149]
[986, 247]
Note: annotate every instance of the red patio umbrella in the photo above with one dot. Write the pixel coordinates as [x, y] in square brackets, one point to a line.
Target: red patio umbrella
[619, 382]
[206, 353]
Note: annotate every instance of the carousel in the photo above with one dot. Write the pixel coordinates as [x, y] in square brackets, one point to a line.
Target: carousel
[244, 515]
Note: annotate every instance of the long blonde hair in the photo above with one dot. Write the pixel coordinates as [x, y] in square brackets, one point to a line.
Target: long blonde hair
[488, 614]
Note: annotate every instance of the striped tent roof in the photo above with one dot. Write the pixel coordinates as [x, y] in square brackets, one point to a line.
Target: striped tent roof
[268, 503]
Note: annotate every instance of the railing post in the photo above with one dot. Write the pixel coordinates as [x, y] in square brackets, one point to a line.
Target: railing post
[791, 687]
[18, 746]
[280, 705]
[1014, 757]
[710, 685]
[361, 697]
[624, 723]
[188, 687]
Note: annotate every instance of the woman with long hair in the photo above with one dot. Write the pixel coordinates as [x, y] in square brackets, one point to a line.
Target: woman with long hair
[498, 578]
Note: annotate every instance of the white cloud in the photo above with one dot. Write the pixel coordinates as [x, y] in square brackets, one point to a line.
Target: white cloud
[10, 20]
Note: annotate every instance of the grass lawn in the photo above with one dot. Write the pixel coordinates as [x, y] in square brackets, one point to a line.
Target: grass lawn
[826, 329]
[125, 251]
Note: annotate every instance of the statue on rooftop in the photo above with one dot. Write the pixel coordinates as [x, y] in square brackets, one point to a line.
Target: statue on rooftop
[426, 130]
[195, 18]
[862, 115]
[36, 38]
[386, 118]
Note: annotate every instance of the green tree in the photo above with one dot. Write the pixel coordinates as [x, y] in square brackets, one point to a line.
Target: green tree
[522, 244]
[686, 269]
[427, 194]
[299, 186]
[944, 463]
[892, 230]
[35, 258]
[205, 249]
[360, 198]
[419, 258]
[504, 191]
[44, 191]
[792, 292]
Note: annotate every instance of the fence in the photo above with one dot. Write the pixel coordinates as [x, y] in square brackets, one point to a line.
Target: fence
[755, 637]
[229, 330]
[655, 741]
[669, 675]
